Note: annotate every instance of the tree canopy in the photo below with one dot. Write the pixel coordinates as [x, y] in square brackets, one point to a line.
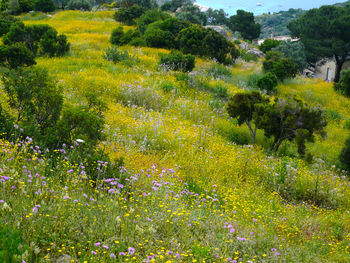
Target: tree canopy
[244, 23]
[325, 33]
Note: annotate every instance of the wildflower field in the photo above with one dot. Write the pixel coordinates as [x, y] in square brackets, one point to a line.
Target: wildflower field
[186, 192]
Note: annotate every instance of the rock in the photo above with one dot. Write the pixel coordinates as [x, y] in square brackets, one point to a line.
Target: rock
[64, 259]
[256, 52]
[220, 29]
[244, 46]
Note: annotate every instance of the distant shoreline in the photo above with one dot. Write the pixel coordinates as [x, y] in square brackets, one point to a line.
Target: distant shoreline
[230, 6]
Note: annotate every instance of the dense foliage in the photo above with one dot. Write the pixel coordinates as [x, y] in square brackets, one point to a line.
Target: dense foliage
[343, 86]
[325, 33]
[175, 60]
[295, 51]
[276, 23]
[269, 44]
[244, 23]
[280, 66]
[128, 15]
[267, 82]
[79, 5]
[172, 179]
[39, 39]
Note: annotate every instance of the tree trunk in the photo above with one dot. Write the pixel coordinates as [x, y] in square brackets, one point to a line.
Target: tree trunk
[252, 132]
[339, 62]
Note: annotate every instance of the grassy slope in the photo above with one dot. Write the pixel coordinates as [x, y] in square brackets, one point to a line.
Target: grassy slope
[187, 183]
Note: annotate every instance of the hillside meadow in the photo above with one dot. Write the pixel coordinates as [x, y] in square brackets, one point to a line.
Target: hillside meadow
[187, 192]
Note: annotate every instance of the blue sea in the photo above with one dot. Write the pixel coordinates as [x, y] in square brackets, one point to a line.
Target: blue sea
[259, 7]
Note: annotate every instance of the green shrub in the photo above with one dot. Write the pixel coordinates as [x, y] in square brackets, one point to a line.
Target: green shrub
[218, 71]
[5, 23]
[220, 91]
[116, 36]
[175, 60]
[268, 45]
[150, 17]
[128, 15]
[333, 115]
[344, 156]
[79, 5]
[114, 55]
[42, 39]
[282, 67]
[16, 55]
[158, 38]
[248, 57]
[11, 244]
[268, 82]
[168, 86]
[252, 80]
[44, 5]
[343, 86]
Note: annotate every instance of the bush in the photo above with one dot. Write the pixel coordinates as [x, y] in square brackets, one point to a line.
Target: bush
[268, 45]
[150, 17]
[128, 15]
[268, 82]
[252, 80]
[294, 51]
[42, 39]
[344, 156]
[16, 55]
[116, 37]
[158, 38]
[5, 23]
[79, 5]
[175, 60]
[114, 55]
[11, 244]
[168, 86]
[248, 57]
[218, 71]
[343, 86]
[44, 5]
[282, 67]
[191, 40]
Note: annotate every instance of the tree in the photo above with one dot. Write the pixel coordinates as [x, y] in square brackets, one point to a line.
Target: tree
[79, 5]
[290, 120]
[269, 44]
[344, 84]
[280, 66]
[128, 15]
[217, 17]
[244, 23]
[295, 51]
[325, 33]
[26, 5]
[174, 5]
[44, 5]
[192, 14]
[216, 46]
[243, 107]
[15, 56]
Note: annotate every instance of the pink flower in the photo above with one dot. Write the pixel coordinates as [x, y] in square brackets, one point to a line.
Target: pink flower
[131, 250]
